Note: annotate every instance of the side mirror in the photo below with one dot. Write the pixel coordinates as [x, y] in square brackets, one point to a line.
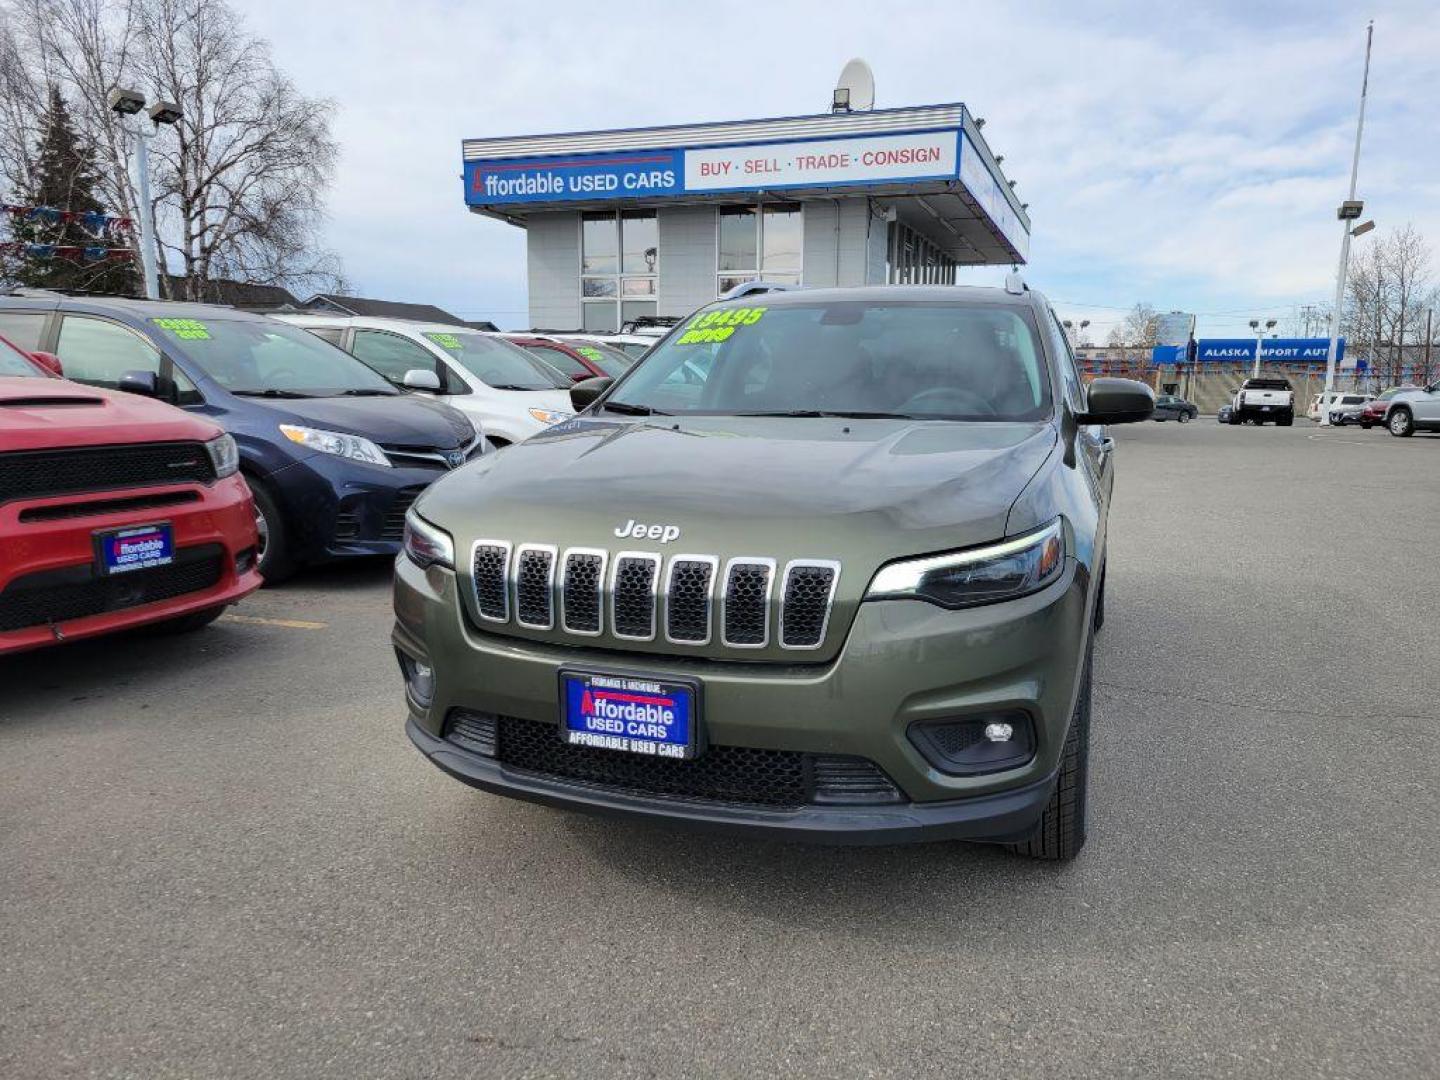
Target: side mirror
[1118, 401]
[144, 383]
[584, 392]
[50, 362]
[421, 379]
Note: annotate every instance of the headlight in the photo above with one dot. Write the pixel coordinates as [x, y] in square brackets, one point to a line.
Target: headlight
[224, 455]
[551, 416]
[333, 442]
[984, 575]
[426, 545]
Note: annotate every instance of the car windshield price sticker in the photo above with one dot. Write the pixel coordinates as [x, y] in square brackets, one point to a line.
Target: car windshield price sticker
[719, 325]
[186, 329]
[590, 353]
[445, 341]
[634, 715]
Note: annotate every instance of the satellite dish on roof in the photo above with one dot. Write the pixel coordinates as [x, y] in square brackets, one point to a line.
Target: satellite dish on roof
[855, 91]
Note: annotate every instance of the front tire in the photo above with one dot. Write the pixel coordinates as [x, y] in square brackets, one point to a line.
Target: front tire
[1184, 418]
[276, 562]
[1401, 423]
[1061, 834]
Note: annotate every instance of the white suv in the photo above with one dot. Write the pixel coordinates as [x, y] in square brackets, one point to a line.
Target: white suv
[506, 392]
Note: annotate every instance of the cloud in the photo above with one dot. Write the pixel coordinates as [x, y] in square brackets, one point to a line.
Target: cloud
[1191, 158]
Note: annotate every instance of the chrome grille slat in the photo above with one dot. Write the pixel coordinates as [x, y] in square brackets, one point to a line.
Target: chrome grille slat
[582, 591]
[633, 584]
[490, 579]
[535, 586]
[689, 587]
[746, 602]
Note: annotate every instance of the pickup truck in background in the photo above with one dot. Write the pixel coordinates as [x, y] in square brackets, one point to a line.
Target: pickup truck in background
[1259, 400]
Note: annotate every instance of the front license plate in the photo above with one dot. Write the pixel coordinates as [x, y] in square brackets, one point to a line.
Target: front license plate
[137, 548]
[1267, 408]
[629, 713]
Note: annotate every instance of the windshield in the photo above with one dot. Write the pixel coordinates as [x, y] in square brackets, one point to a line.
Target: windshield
[611, 361]
[265, 357]
[949, 361]
[13, 363]
[497, 363]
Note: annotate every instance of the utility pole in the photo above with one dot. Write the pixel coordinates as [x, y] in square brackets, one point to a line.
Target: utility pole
[1429, 314]
[1349, 211]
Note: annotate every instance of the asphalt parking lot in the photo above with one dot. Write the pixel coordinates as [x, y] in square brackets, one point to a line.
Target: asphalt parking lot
[219, 856]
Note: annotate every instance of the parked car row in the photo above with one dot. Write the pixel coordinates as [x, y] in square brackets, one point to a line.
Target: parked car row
[159, 460]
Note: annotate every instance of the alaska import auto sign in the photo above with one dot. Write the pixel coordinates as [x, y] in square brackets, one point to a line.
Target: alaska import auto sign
[1275, 351]
[860, 159]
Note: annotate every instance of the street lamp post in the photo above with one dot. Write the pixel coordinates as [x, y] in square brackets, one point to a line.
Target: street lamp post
[1349, 211]
[125, 104]
[1259, 342]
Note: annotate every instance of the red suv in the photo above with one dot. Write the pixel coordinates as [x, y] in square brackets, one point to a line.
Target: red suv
[579, 360]
[116, 511]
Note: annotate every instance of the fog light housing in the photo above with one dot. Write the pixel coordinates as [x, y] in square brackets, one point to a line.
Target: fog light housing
[971, 746]
[419, 680]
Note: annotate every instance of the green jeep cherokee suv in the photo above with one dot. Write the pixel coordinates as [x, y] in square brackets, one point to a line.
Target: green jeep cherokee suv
[823, 565]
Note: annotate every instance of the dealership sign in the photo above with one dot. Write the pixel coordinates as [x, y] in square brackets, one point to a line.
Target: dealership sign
[1242, 350]
[823, 163]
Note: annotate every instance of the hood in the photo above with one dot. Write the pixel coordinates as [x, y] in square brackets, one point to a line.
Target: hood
[860, 491]
[401, 420]
[47, 414]
[857, 493]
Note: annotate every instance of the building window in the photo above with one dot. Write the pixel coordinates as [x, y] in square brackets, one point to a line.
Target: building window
[911, 259]
[759, 242]
[619, 267]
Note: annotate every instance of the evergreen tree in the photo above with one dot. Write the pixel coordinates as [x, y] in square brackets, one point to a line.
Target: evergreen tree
[65, 179]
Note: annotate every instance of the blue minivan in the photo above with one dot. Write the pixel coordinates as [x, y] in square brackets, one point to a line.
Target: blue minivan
[333, 452]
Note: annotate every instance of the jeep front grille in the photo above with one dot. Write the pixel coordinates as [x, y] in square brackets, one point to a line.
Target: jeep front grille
[641, 596]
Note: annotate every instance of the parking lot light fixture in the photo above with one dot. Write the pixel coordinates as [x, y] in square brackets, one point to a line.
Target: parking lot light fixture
[126, 104]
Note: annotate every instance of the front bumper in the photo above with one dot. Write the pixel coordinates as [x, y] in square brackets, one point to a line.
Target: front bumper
[902, 662]
[336, 508]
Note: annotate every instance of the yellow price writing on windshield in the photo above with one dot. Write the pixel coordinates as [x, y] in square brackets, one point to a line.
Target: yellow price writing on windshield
[445, 341]
[186, 329]
[719, 325]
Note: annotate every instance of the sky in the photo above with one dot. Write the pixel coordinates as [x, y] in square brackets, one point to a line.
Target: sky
[1190, 156]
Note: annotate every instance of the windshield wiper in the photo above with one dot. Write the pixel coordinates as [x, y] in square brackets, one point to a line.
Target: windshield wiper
[631, 410]
[518, 386]
[843, 414]
[370, 393]
[271, 393]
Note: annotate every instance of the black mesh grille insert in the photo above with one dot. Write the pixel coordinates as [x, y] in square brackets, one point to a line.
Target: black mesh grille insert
[38, 473]
[56, 596]
[747, 591]
[687, 604]
[727, 774]
[807, 600]
[532, 587]
[581, 589]
[492, 562]
[634, 597]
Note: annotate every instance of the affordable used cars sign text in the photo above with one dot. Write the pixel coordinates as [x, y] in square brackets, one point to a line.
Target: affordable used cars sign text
[816, 163]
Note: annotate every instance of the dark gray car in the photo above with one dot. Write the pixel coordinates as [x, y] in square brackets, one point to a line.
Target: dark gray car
[823, 565]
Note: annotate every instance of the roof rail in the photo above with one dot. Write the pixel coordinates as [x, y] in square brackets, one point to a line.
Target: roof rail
[754, 288]
[1015, 284]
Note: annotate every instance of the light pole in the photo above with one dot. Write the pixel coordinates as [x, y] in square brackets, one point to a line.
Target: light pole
[1074, 332]
[1349, 211]
[126, 103]
[1259, 342]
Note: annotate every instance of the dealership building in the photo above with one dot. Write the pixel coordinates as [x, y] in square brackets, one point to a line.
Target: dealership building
[658, 221]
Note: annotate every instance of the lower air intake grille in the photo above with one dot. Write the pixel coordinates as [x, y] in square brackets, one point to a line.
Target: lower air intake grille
[852, 780]
[490, 569]
[747, 603]
[393, 525]
[57, 596]
[725, 774]
[473, 731]
[534, 589]
[687, 601]
[806, 605]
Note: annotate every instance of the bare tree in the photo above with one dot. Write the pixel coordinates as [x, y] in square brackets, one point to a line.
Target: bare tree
[238, 185]
[1389, 290]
